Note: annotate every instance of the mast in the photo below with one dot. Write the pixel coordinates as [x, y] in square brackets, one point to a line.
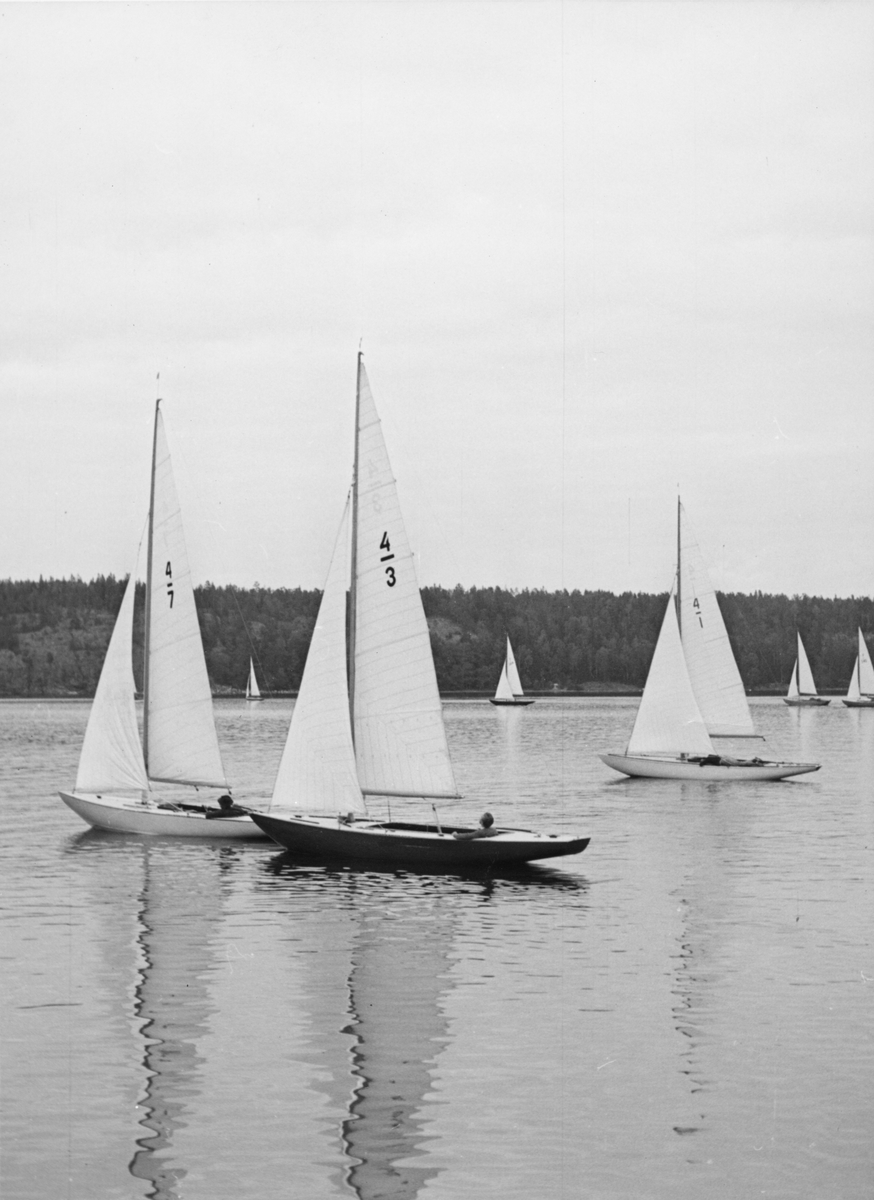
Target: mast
[353, 585]
[679, 575]
[148, 615]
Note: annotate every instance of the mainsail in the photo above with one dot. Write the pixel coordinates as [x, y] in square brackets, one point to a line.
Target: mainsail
[712, 669]
[669, 720]
[179, 739]
[803, 675]
[253, 692]
[112, 758]
[512, 672]
[504, 690]
[317, 770]
[862, 679]
[400, 740]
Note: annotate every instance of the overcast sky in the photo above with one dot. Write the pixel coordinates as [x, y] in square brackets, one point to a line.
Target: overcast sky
[596, 252]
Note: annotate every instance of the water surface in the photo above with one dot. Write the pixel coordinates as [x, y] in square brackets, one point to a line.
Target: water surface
[684, 1010]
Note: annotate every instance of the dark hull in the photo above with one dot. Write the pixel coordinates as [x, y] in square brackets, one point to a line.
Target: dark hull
[510, 703]
[863, 703]
[413, 845]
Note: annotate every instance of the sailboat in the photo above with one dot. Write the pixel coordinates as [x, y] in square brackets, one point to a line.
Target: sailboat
[509, 689]
[693, 691]
[375, 731]
[179, 744]
[860, 693]
[802, 689]
[253, 692]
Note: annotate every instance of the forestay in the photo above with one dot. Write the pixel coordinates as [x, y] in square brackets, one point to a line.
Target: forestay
[180, 742]
[112, 757]
[668, 719]
[712, 669]
[317, 770]
[866, 669]
[400, 741]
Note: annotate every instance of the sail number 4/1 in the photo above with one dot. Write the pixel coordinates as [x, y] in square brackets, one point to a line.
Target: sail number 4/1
[169, 573]
[385, 545]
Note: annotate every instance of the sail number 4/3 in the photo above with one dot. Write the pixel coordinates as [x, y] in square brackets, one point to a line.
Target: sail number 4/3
[385, 545]
[169, 573]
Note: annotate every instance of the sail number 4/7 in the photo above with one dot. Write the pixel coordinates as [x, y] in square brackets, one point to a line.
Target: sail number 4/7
[169, 573]
[385, 545]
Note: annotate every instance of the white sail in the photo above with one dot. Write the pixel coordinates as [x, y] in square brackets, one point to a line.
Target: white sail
[804, 675]
[866, 670]
[317, 771]
[854, 691]
[504, 691]
[253, 692]
[400, 740]
[181, 745]
[112, 758]
[668, 719]
[713, 671]
[512, 672]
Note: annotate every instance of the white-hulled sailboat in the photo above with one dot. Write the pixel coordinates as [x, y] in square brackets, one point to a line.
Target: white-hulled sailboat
[179, 745]
[693, 691]
[860, 693]
[509, 690]
[377, 730]
[802, 690]
[253, 692]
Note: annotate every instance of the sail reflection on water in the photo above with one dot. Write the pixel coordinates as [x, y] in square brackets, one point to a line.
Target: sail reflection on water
[182, 894]
[395, 934]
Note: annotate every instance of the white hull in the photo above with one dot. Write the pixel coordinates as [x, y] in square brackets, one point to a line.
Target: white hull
[806, 701]
[651, 766]
[125, 814]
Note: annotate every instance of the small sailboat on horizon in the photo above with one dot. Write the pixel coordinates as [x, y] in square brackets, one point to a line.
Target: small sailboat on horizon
[368, 720]
[179, 745]
[860, 693]
[253, 692]
[509, 691]
[802, 690]
[693, 691]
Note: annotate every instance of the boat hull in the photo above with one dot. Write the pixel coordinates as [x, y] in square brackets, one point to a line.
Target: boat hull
[646, 766]
[806, 701]
[413, 845]
[121, 814]
[865, 702]
[510, 703]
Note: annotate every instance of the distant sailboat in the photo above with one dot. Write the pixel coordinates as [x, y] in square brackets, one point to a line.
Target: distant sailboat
[860, 693]
[693, 691]
[377, 730]
[179, 745]
[802, 689]
[253, 692]
[510, 685]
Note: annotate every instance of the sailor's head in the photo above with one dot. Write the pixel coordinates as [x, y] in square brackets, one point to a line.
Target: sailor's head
[225, 801]
[487, 820]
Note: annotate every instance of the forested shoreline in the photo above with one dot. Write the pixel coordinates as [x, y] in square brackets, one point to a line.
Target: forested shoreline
[54, 634]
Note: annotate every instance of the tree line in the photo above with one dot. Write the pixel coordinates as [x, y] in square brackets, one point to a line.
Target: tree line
[54, 634]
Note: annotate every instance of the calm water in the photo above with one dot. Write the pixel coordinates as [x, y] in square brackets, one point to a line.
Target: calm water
[685, 1010]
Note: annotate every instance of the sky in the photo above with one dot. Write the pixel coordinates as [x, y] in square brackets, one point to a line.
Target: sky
[596, 255]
